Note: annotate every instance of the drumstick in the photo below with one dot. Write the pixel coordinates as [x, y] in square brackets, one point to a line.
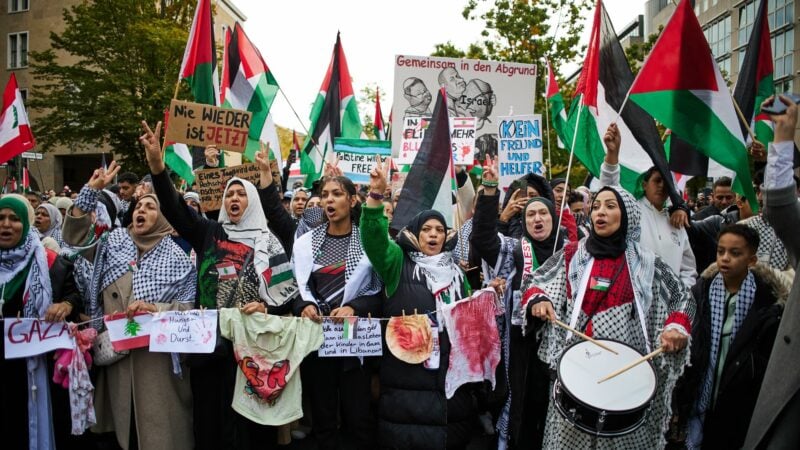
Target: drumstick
[583, 336]
[630, 366]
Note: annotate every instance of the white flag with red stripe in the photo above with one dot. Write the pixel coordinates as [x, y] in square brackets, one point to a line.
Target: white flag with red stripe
[15, 131]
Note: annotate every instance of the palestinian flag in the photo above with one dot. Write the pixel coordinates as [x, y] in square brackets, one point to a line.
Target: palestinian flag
[555, 104]
[334, 114]
[199, 70]
[380, 131]
[681, 86]
[754, 83]
[605, 79]
[294, 169]
[15, 130]
[349, 326]
[430, 181]
[248, 84]
[26, 180]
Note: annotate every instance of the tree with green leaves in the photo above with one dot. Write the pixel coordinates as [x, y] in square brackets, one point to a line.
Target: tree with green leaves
[528, 31]
[115, 64]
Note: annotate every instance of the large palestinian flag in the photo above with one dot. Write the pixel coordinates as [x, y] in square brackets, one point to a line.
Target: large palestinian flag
[681, 86]
[199, 70]
[605, 79]
[334, 114]
[248, 84]
[430, 181]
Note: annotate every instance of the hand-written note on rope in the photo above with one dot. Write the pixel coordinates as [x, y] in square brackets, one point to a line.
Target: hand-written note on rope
[202, 125]
[192, 331]
[30, 337]
[211, 183]
[362, 339]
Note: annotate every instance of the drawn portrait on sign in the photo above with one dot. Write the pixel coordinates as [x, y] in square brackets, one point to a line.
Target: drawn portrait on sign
[454, 85]
[418, 96]
[480, 100]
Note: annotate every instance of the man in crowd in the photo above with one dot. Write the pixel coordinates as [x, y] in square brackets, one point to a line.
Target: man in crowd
[35, 198]
[721, 198]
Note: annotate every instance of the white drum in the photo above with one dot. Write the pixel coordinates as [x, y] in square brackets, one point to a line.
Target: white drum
[615, 407]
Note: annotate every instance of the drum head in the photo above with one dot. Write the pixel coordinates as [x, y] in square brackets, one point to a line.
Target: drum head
[583, 364]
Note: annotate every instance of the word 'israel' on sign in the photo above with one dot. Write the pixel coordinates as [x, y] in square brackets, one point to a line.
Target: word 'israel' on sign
[211, 183]
[519, 147]
[31, 337]
[352, 337]
[203, 125]
[357, 156]
[193, 331]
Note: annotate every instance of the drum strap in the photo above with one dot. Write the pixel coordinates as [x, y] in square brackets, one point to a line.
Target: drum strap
[576, 307]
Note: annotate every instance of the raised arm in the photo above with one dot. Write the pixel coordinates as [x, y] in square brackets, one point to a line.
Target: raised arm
[280, 222]
[189, 226]
[484, 238]
[781, 208]
[609, 170]
[384, 254]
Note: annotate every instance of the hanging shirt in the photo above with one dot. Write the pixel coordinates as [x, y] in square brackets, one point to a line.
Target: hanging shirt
[268, 351]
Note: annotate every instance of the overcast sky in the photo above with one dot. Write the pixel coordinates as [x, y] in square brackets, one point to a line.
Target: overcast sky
[296, 39]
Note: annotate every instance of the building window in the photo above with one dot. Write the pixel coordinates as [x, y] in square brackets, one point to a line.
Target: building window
[725, 66]
[18, 5]
[780, 13]
[18, 50]
[718, 36]
[782, 50]
[783, 86]
[747, 17]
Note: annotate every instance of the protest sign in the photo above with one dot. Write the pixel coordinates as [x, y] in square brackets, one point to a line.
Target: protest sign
[211, 183]
[357, 157]
[462, 139]
[202, 125]
[192, 331]
[352, 337]
[520, 147]
[398, 179]
[31, 337]
[127, 334]
[480, 89]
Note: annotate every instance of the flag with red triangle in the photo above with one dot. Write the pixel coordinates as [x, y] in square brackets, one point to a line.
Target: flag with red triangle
[334, 115]
[380, 131]
[605, 79]
[15, 131]
[26, 180]
[681, 86]
[199, 71]
[755, 83]
[558, 113]
[294, 169]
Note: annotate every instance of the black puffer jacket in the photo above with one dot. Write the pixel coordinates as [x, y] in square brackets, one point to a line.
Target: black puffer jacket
[727, 419]
[414, 412]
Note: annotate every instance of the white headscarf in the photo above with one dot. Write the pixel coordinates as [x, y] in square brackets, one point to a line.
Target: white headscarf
[55, 220]
[276, 281]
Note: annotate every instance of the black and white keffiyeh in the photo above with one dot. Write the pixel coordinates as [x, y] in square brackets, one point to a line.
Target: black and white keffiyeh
[360, 279]
[38, 293]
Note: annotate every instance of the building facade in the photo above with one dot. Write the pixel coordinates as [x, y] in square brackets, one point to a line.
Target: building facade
[25, 25]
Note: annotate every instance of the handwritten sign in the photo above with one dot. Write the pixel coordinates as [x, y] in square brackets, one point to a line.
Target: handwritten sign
[211, 183]
[363, 338]
[128, 334]
[192, 331]
[357, 156]
[202, 125]
[411, 140]
[462, 140]
[31, 337]
[520, 147]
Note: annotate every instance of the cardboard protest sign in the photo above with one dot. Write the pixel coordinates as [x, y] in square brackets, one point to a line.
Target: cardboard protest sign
[192, 331]
[357, 157]
[480, 89]
[520, 147]
[202, 125]
[31, 337]
[211, 183]
[353, 337]
[128, 334]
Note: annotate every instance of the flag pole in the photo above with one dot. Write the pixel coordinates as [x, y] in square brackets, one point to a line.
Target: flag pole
[744, 121]
[547, 119]
[308, 133]
[569, 168]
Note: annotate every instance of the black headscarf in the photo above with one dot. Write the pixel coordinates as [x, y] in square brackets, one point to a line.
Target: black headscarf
[614, 245]
[556, 181]
[414, 227]
[543, 249]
